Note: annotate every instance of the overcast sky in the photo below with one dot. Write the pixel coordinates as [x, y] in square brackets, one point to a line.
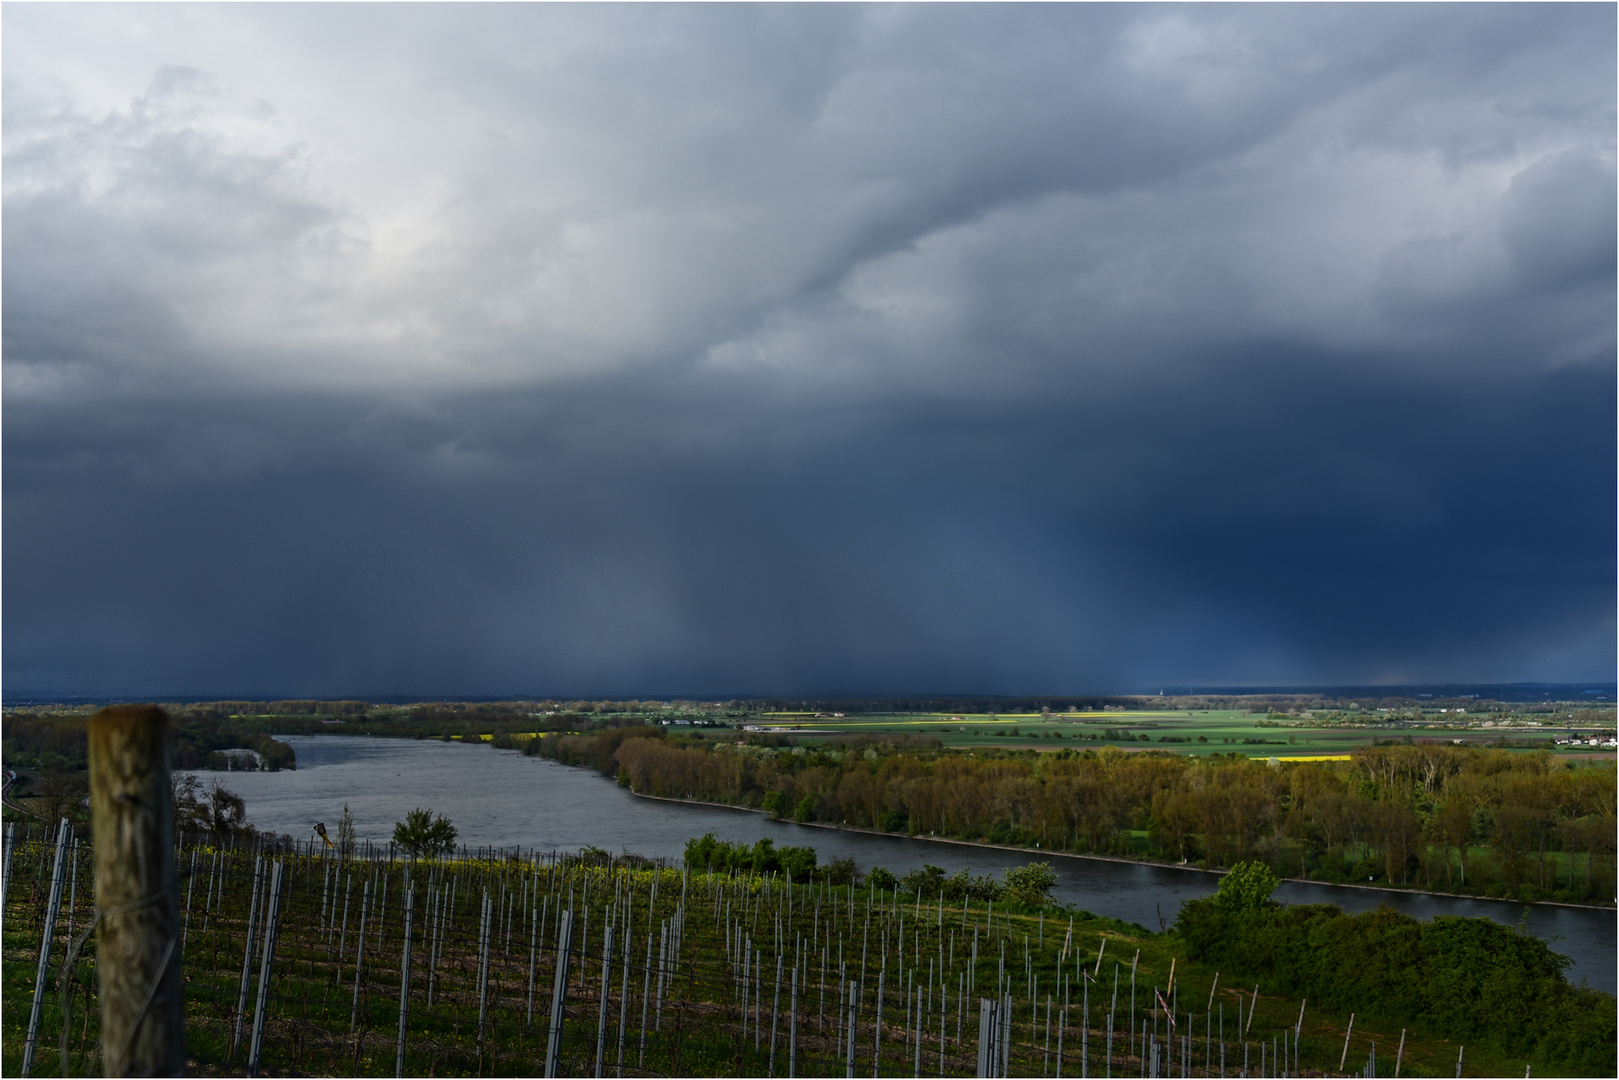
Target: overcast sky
[363, 350]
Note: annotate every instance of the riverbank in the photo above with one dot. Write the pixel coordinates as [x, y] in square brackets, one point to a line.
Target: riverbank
[507, 800]
[1213, 871]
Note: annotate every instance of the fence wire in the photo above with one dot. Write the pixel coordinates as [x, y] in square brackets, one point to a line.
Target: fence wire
[297, 958]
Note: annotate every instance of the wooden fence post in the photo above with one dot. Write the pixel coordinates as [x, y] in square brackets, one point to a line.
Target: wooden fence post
[137, 946]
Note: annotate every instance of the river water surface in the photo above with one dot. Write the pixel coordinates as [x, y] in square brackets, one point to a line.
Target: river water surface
[500, 798]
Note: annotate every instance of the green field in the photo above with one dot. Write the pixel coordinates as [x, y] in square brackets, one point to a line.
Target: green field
[1182, 731]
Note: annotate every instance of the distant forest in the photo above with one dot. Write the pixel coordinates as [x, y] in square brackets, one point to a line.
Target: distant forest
[1527, 826]
[1464, 819]
[201, 741]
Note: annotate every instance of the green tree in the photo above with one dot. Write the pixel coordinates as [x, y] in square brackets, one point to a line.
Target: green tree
[797, 861]
[1031, 884]
[1246, 888]
[421, 834]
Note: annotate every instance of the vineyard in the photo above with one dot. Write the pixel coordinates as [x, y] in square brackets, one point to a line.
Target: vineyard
[298, 960]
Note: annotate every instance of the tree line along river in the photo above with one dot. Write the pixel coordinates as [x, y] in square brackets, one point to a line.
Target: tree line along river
[501, 799]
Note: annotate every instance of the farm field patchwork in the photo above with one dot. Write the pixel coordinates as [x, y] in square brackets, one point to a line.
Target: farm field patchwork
[1180, 731]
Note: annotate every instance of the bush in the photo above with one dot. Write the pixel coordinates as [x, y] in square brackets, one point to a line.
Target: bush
[421, 834]
[1031, 884]
[880, 878]
[1471, 980]
[841, 872]
[707, 852]
[927, 882]
[963, 886]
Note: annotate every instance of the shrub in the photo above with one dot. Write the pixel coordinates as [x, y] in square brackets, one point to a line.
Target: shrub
[963, 886]
[841, 872]
[707, 852]
[926, 882]
[880, 878]
[1467, 979]
[1031, 884]
[421, 834]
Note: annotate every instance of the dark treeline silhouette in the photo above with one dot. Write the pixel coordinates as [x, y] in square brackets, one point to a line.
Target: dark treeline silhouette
[202, 740]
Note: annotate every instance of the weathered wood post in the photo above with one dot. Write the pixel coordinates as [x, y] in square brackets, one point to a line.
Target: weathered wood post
[137, 892]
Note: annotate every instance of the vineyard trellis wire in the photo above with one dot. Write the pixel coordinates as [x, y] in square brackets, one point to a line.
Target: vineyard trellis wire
[372, 964]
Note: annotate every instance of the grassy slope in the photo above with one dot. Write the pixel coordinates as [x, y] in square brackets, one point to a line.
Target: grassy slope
[312, 995]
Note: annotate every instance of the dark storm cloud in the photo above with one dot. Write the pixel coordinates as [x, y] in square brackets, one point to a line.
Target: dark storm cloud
[747, 350]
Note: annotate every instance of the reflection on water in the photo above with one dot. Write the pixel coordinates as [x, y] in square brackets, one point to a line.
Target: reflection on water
[500, 798]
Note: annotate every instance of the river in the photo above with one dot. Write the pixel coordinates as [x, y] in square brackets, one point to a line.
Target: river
[500, 798]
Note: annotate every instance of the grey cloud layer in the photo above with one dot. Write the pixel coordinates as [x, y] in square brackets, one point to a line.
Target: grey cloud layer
[448, 349]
